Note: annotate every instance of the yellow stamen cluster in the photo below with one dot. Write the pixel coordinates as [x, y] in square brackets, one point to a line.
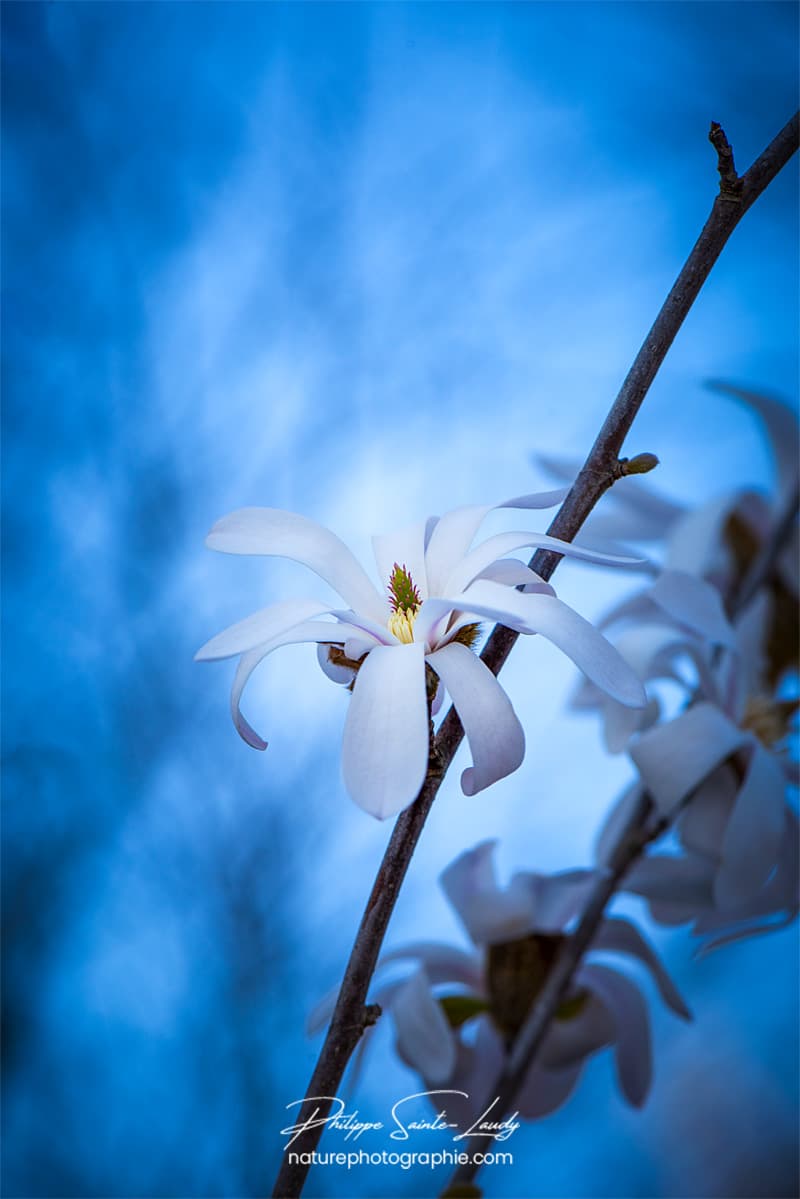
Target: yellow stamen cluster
[402, 625]
[405, 601]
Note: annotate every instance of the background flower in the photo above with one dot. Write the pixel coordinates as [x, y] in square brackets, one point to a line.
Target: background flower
[456, 1039]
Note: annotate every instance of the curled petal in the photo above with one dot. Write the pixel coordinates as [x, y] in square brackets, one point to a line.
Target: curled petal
[311, 630]
[454, 532]
[633, 1051]
[469, 567]
[620, 936]
[424, 1038]
[385, 750]
[672, 759]
[245, 667]
[495, 735]
[273, 532]
[337, 674]
[512, 573]
[260, 628]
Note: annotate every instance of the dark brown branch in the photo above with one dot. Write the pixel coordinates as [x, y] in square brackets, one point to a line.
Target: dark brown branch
[599, 471]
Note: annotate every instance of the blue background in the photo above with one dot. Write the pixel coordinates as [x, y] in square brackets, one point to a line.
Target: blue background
[358, 261]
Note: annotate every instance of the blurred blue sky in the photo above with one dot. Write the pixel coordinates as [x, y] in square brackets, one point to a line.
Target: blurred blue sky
[359, 261]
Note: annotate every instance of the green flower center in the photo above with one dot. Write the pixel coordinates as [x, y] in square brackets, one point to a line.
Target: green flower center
[405, 602]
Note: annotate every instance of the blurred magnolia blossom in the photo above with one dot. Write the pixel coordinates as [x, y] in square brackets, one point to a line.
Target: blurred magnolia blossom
[399, 646]
[457, 1013]
[721, 770]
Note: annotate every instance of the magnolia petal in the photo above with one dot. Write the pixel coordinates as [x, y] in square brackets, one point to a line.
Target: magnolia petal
[512, 573]
[685, 881]
[545, 614]
[620, 936]
[702, 824]
[544, 1091]
[471, 565]
[693, 603]
[385, 749]
[620, 723]
[752, 842]
[617, 820]
[672, 759]
[312, 630]
[453, 535]
[626, 1005]
[747, 666]
[494, 733]
[425, 1041]
[245, 667]
[556, 899]
[337, 674]
[260, 628]
[276, 533]
[405, 548]
[696, 543]
[487, 912]
[569, 1042]
[443, 963]
[779, 421]
[743, 934]
[477, 1063]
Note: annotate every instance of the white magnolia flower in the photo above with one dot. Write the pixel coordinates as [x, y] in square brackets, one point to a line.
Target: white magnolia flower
[434, 588]
[456, 1015]
[729, 752]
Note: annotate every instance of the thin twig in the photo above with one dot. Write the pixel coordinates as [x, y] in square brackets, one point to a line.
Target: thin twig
[730, 184]
[599, 472]
[639, 832]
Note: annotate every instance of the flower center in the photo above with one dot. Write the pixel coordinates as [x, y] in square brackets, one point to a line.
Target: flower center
[405, 603]
[769, 719]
